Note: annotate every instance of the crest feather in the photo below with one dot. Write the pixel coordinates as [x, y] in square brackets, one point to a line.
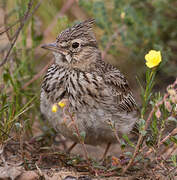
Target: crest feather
[81, 30]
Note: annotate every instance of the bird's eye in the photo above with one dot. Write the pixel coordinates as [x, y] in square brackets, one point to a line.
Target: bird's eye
[75, 45]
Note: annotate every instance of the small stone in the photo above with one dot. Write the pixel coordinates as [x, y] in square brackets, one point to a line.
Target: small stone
[84, 178]
[70, 178]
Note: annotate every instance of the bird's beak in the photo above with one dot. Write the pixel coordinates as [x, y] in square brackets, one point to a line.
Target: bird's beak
[53, 47]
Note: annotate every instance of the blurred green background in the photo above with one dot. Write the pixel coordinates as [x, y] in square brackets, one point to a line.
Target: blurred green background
[125, 29]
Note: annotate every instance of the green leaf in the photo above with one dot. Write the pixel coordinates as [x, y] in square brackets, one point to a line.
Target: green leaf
[122, 144]
[128, 153]
[142, 126]
[174, 159]
[174, 139]
[75, 134]
[83, 135]
[128, 140]
[99, 167]
[6, 77]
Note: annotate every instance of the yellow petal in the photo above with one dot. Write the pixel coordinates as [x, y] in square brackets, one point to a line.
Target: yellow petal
[54, 108]
[153, 58]
[149, 64]
[62, 104]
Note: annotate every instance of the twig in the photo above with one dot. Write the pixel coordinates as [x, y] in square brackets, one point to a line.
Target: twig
[117, 137]
[171, 170]
[24, 20]
[170, 151]
[4, 133]
[65, 8]
[163, 140]
[33, 11]
[167, 137]
[18, 32]
[2, 155]
[38, 74]
[39, 172]
[82, 143]
[171, 133]
[9, 27]
[80, 138]
[140, 139]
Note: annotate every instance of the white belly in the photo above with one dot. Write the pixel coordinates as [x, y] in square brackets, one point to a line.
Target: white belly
[94, 122]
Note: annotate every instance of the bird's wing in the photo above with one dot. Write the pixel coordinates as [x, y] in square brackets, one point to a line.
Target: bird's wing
[120, 89]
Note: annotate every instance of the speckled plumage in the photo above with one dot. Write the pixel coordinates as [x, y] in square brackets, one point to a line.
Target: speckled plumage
[97, 92]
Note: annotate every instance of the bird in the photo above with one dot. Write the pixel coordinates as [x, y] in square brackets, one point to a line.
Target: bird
[98, 95]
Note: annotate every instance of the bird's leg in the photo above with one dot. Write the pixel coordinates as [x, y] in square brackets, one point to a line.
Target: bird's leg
[71, 147]
[106, 150]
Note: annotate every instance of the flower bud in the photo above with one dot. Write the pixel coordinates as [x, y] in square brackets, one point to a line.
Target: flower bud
[171, 92]
[158, 113]
[174, 99]
[168, 106]
[63, 103]
[122, 15]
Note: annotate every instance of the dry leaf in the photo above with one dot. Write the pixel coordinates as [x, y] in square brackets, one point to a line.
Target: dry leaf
[10, 172]
[29, 175]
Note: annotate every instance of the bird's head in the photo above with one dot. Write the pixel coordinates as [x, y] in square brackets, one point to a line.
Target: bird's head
[75, 46]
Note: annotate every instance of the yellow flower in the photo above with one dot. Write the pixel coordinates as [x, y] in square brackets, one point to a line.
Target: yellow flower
[54, 108]
[62, 103]
[153, 58]
[122, 15]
